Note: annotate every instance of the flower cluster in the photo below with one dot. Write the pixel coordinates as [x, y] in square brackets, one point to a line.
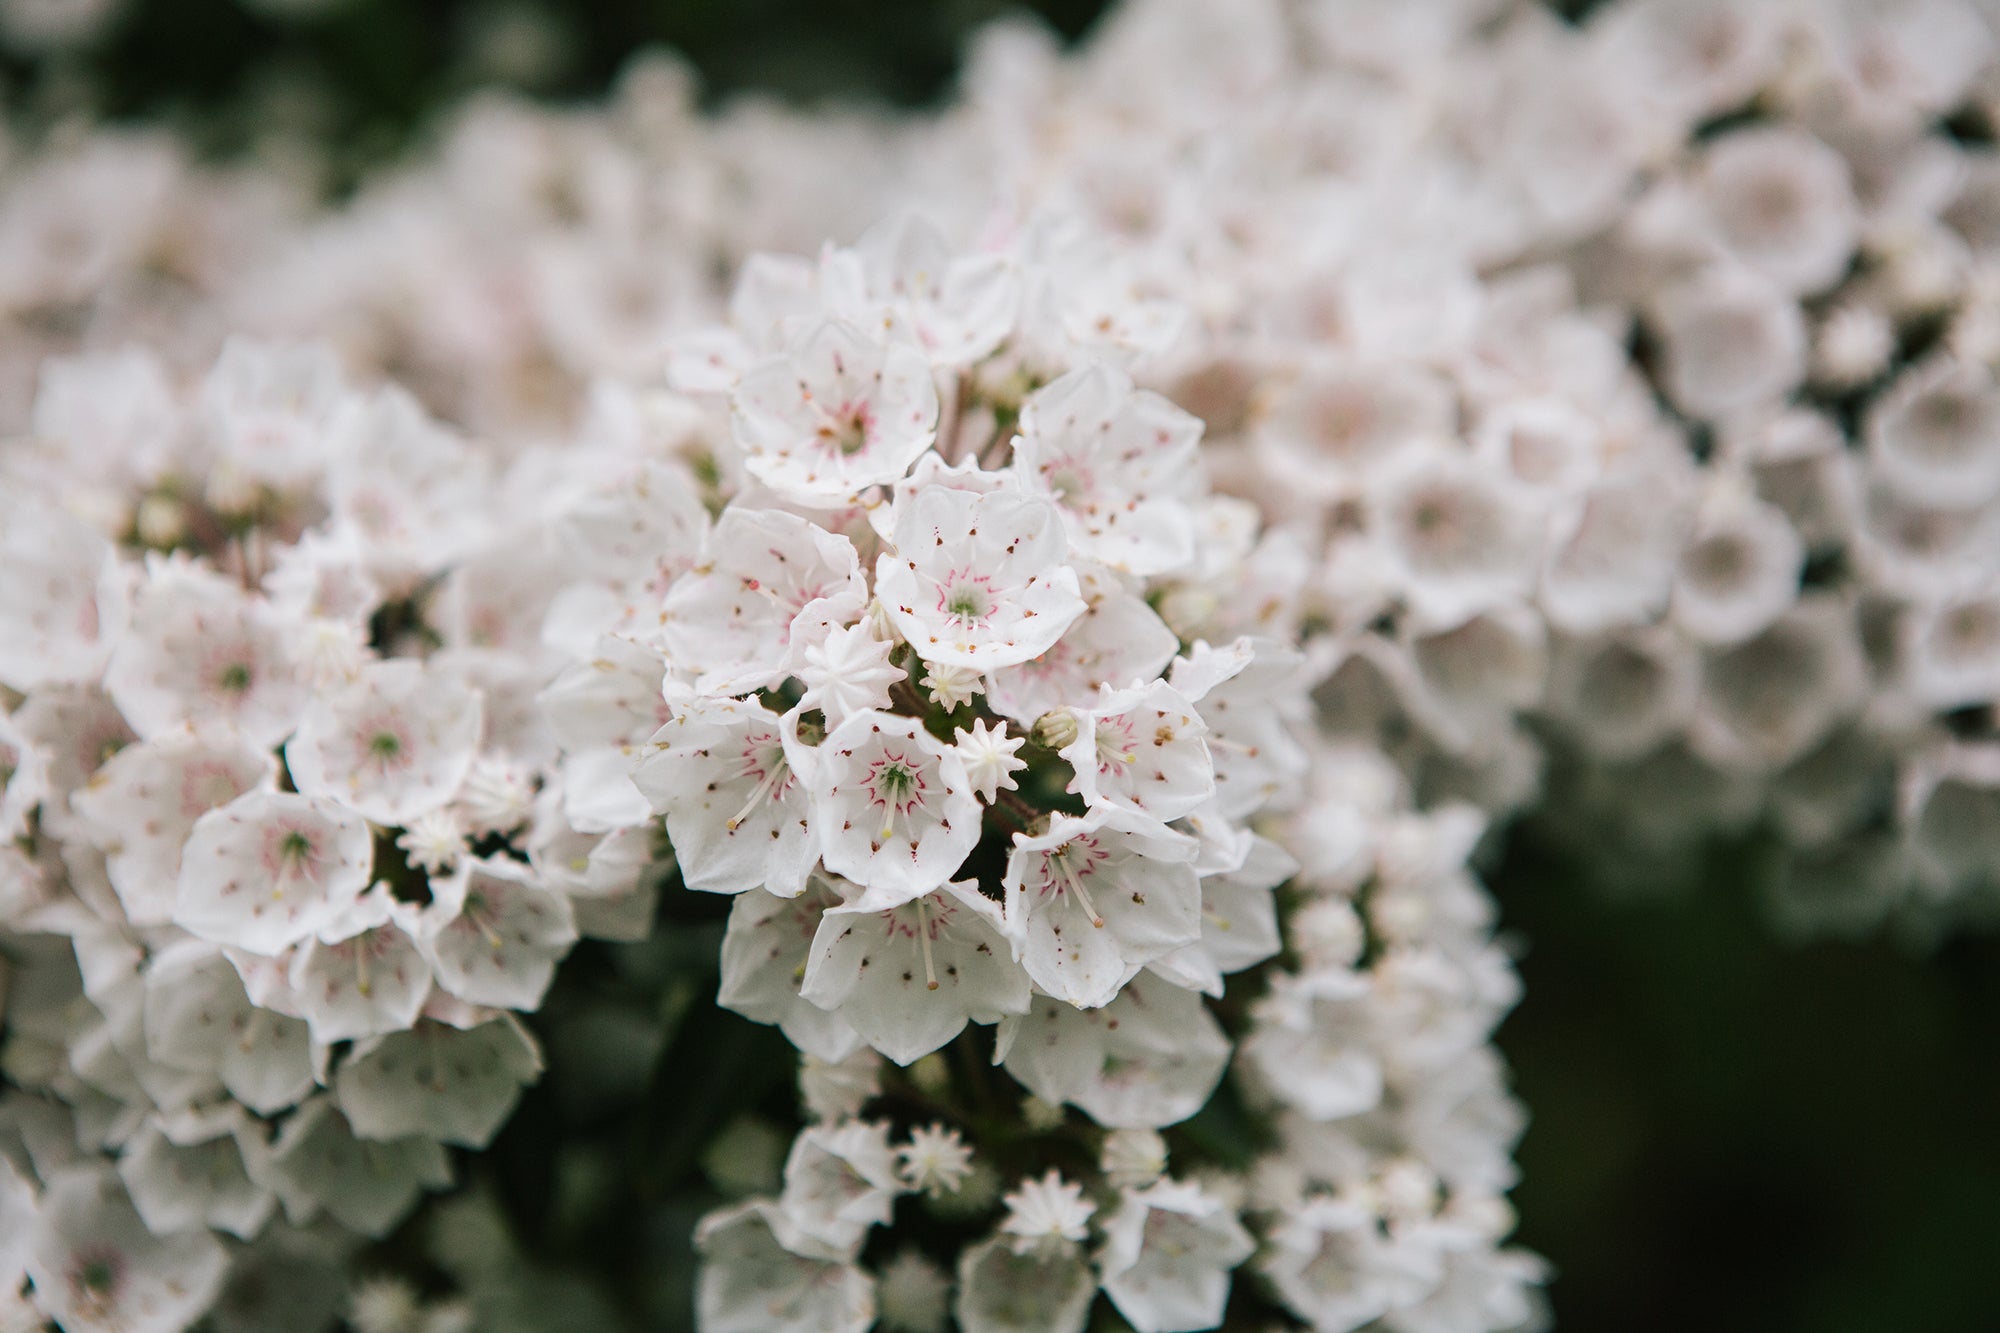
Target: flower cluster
[1082, 630]
[280, 868]
[930, 731]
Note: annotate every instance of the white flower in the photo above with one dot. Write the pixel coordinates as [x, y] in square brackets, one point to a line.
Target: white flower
[200, 652]
[1953, 651]
[950, 687]
[1343, 418]
[333, 652]
[958, 308]
[838, 1089]
[493, 933]
[1783, 204]
[117, 404]
[497, 796]
[736, 809]
[1854, 343]
[198, 1018]
[318, 1164]
[1115, 461]
[269, 869]
[846, 673]
[199, 1168]
[395, 744]
[1771, 698]
[1732, 341]
[1623, 694]
[1248, 694]
[1003, 1291]
[1117, 640]
[935, 1161]
[1932, 437]
[840, 1180]
[768, 584]
[1149, 1058]
[1141, 750]
[910, 977]
[989, 759]
[765, 952]
[1613, 562]
[385, 1304]
[1461, 536]
[1096, 898]
[60, 608]
[598, 709]
[1332, 1267]
[1314, 1041]
[407, 488]
[140, 807]
[363, 973]
[97, 1268]
[976, 580]
[437, 1081]
[760, 1274]
[1048, 1210]
[1167, 1257]
[892, 807]
[1739, 570]
[835, 413]
[268, 407]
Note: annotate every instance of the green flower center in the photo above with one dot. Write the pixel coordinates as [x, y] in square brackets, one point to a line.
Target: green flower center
[896, 782]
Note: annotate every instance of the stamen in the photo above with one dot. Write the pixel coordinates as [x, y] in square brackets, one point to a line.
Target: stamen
[757, 796]
[924, 938]
[1075, 883]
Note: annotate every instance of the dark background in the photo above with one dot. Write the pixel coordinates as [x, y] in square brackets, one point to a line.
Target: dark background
[1728, 1132]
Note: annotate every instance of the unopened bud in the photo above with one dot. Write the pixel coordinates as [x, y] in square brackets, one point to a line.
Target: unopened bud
[1055, 729]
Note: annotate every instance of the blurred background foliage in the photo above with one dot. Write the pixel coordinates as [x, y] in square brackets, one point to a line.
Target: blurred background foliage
[1728, 1131]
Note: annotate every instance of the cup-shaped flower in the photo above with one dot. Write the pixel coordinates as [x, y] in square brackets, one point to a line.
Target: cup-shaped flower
[494, 933]
[142, 805]
[97, 1268]
[1117, 640]
[892, 806]
[840, 1180]
[200, 651]
[837, 412]
[363, 974]
[1167, 1257]
[764, 956]
[319, 1164]
[736, 808]
[269, 869]
[393, 744]
[1141, 750]
[1095, 899]
[978, 580]
[768, 583]
[1149, 1058]
[1116, 461]
[910, 977]
[438, 1081]
[760, 1275]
